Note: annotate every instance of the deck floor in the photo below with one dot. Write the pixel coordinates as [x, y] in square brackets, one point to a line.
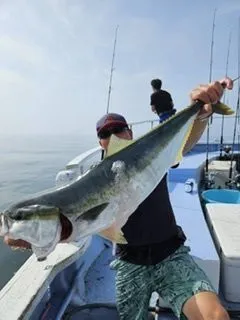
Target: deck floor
[100, 289]
[100, 282]
[103, 314]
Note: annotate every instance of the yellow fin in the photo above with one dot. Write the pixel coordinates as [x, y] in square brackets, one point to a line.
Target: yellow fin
[113, 235]
[219, 108]
[222, 108]
[119, 238]
[180, 151]
[116, 144]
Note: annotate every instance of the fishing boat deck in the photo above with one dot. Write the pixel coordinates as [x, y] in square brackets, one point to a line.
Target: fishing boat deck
[89, 279]
[188, 212]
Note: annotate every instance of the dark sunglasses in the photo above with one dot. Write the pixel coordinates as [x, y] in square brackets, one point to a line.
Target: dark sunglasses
[104, 134]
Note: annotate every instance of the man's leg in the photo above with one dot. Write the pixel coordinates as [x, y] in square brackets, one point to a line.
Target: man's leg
[187, 289]
[133, 290]
[204, 305]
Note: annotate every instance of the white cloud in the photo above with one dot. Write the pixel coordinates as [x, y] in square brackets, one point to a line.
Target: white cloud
[228, 7]
[55, 59]
[17, 49]
[8, 77]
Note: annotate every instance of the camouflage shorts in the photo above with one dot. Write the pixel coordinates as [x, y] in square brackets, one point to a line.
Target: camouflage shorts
[176, 279]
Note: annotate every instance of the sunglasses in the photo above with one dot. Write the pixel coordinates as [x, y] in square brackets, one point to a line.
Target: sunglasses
[108, 132]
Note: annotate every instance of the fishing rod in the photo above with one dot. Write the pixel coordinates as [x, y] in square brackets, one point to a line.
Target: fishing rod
[237, 107]
[238, 149]
[224, 96]
[212, 45]
[210, 79]
[110, 80]
[112, 69]
[238, 78]
[234, 134]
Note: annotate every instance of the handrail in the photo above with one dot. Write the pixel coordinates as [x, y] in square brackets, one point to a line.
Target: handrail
[83, 157]
[21, 295]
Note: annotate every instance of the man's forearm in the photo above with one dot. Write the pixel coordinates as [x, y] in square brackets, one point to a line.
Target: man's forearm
[196, 133]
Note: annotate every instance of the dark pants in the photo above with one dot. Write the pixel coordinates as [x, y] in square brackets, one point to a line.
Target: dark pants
[165, 115]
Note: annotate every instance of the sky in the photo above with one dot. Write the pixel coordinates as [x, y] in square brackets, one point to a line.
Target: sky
[55, 58]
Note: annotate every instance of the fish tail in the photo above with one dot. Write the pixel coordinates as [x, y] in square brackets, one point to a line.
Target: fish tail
[222, 108]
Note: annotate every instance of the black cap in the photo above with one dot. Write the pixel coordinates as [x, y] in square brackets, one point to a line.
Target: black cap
[156, 84]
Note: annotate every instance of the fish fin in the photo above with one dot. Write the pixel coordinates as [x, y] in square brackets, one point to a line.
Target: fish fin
[93, 213]
[116, 144]
[113, 235]
[219, 108]
[222, 108]
[180, 151]
[120, 238]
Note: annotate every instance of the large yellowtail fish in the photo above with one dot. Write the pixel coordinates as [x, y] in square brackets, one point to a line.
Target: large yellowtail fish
[102, 200]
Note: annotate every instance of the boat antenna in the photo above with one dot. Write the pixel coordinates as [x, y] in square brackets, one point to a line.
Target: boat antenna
[210, 79]
[224, 96]
[112, 69]
[237, 107]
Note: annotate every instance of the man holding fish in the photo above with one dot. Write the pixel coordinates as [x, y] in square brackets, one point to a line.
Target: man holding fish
[137, 214]
[155, 258]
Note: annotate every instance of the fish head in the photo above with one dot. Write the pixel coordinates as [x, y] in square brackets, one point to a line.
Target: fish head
[38, 225]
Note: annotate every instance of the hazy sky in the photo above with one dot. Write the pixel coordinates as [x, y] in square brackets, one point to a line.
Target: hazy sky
[55, 58]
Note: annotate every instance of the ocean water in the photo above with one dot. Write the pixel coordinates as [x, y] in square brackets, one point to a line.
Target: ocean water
[29, 164]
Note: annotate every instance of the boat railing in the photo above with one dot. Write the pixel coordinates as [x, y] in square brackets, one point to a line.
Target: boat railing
[78, 166]
[86, 160]
[150, 122]
[214, 132]
[81, 160]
